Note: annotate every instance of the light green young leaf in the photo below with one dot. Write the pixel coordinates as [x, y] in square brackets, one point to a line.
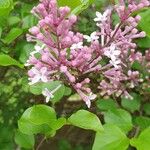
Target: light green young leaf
[145, 21]
[77, 6]
[23, 140]
[6, 60]
[27, 127]
[40, 119]
[70, 3]
[12, 35]
[143, 141]
[86, 120]
[5, 7]
[58, 123]
[42, 114]
[120, 118]
[111, 139]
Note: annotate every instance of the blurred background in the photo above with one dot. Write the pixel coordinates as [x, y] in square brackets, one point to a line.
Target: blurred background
[15, 96]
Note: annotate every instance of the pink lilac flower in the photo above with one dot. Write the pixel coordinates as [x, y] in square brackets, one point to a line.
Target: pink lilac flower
[92, 37]
[36, 75]
[101, 17]
[64, 54]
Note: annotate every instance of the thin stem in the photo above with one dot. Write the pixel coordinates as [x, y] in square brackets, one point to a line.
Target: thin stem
[111, 39]
[40, 144]
[137, 132]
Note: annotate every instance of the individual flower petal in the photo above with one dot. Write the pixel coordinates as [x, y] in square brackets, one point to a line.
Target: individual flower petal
[101, 17]
[49, 95]
[77, 46]
[92, 37]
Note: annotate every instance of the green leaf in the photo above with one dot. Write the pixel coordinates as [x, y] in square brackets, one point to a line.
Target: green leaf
[6, 60]
[13, 20]
[86, 120]
[23, 50]
[6, 136]
[42, 114]
[143, 42]
[28, 22]
[40, 119]
[67, 91]
[70, 3]
[5, 7]
[132, 105]
[59, 123]
[27, 127]
[143, 141]
[37, 119]
[106, 104]
[142, 122]
[84, 5]
[23, 140]
[145, 21]
[146, 108]
[137, 66]
[77, 6]
[111, 139]
[120, 118]
[12, 35]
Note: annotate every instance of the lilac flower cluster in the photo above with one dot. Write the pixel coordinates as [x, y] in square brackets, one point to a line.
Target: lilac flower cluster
[73, 58]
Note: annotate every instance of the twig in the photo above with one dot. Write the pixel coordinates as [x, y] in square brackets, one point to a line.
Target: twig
[40, 144]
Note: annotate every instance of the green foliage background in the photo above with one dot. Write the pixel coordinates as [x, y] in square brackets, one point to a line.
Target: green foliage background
[126, 122]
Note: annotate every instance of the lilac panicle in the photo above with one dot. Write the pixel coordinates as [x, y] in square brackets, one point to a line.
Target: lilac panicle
[63, 54]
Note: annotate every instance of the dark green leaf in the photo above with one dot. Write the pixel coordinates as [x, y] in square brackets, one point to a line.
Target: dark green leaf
[132, 105]
[142, 122]
[143, 42]
[106, 104]
[146, 108]
[12, 35]
[23, 140]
